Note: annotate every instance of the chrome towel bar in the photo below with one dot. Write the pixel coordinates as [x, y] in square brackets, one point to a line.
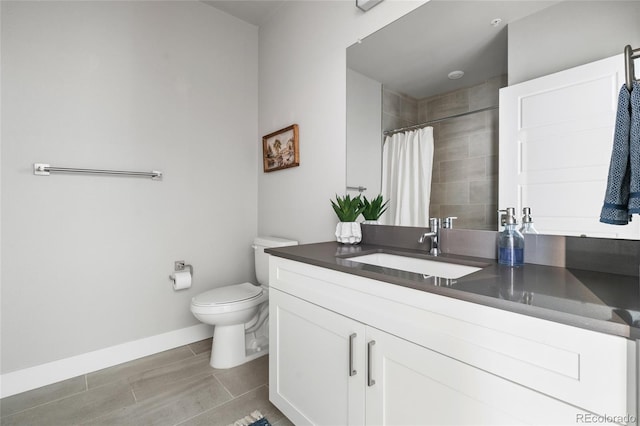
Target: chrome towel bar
[356, 188]
[41, 169]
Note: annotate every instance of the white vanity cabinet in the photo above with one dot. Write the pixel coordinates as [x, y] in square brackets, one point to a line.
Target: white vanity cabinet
[310, 379]
[347, 350]
[415, 385]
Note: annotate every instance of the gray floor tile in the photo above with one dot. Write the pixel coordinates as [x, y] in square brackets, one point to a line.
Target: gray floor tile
[162, 389]
[245, 377]
[201, 346]
[153, 382]
[127, 369]
[76, 409]
[185, 399]
[257, 399]
[16, 403]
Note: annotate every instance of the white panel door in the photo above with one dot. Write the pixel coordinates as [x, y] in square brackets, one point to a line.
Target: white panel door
[415, 385]
[556, 135]
[311, 379]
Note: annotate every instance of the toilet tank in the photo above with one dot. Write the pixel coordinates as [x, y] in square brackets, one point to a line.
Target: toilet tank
[262, 258]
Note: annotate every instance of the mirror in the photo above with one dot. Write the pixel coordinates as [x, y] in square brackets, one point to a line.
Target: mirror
[397, 77]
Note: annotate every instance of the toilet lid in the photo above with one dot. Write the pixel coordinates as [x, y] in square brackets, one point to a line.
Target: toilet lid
[228, 294]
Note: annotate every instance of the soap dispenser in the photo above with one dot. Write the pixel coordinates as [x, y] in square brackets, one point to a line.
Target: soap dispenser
[527, 222]
[510, 241]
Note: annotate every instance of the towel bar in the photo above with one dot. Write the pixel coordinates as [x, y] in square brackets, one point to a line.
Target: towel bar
[356, 188]
[41, 169]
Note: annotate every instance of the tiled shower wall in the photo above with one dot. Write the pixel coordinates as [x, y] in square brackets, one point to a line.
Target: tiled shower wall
[465, 162]
[398, 110]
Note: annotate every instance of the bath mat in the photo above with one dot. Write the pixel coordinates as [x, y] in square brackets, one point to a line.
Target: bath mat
[254, 419]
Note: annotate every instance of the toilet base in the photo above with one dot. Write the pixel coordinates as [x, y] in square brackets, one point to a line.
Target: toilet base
[232, 347]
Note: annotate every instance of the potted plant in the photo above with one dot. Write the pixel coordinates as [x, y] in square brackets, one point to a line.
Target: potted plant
[348, 209]
[372, 210]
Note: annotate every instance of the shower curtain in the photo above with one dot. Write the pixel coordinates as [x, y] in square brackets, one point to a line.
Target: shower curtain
[407, 164]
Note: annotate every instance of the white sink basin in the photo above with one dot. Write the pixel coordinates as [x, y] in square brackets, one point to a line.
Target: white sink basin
[413, 264]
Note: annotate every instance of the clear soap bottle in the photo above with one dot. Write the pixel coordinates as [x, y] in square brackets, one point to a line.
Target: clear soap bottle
[510, 241]
[527, 222]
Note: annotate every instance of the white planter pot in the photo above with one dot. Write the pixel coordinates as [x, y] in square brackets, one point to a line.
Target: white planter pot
[371, 222]
[348, 232]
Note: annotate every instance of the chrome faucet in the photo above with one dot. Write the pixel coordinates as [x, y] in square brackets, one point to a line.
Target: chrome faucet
[434, 225]
[447, 222]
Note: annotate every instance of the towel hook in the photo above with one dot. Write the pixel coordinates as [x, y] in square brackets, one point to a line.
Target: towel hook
[629, 56]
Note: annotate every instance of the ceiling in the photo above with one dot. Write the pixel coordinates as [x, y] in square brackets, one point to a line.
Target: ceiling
[255, 12]
[439, 37]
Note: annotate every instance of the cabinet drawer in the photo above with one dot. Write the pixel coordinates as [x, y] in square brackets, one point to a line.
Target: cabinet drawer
[582, 367]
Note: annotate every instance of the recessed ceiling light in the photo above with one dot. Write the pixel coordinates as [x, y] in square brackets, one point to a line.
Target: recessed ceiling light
[454, 75]
[495, 22]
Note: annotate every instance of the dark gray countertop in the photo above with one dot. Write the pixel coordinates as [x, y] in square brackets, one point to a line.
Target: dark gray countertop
[597, 301]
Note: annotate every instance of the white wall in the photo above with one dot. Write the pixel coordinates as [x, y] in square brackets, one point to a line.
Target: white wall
[569, 34]
[170, 86]
[303, 81]
[364, 130]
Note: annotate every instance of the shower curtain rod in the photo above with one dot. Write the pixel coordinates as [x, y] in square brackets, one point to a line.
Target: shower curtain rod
[427, 123]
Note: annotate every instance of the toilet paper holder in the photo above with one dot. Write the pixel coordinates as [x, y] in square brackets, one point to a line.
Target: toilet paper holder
[181, 265]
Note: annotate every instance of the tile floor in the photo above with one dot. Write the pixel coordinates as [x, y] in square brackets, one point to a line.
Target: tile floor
[175, 387]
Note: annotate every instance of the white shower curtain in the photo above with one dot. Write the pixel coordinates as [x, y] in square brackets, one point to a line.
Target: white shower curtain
[407, 164]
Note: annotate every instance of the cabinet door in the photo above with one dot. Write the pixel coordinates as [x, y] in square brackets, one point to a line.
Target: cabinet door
[415, 385]
[311, 378]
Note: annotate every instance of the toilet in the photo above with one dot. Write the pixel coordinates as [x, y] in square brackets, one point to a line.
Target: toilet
[240, 312]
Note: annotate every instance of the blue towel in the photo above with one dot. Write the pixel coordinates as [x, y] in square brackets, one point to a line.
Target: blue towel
[634, 150]
[624, 167]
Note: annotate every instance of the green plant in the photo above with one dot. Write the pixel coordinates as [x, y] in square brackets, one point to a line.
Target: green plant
[374, 209]
[348, 209]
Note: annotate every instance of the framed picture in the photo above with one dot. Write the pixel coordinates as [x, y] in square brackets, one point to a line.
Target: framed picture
[280, 149]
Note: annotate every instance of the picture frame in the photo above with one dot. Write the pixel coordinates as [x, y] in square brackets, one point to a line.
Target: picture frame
[280, 149]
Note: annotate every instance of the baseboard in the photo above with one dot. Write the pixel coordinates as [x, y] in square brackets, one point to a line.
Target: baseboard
[56, 371]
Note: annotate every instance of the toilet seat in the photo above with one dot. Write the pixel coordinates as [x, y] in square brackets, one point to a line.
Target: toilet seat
[228, 298]
[228, 294]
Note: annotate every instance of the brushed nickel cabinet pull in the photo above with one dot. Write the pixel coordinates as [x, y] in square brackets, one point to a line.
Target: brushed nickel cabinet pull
[370, 381]
[352, 371]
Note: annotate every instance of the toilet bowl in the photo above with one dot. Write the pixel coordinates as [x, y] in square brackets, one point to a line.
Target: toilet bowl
[239, 312]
